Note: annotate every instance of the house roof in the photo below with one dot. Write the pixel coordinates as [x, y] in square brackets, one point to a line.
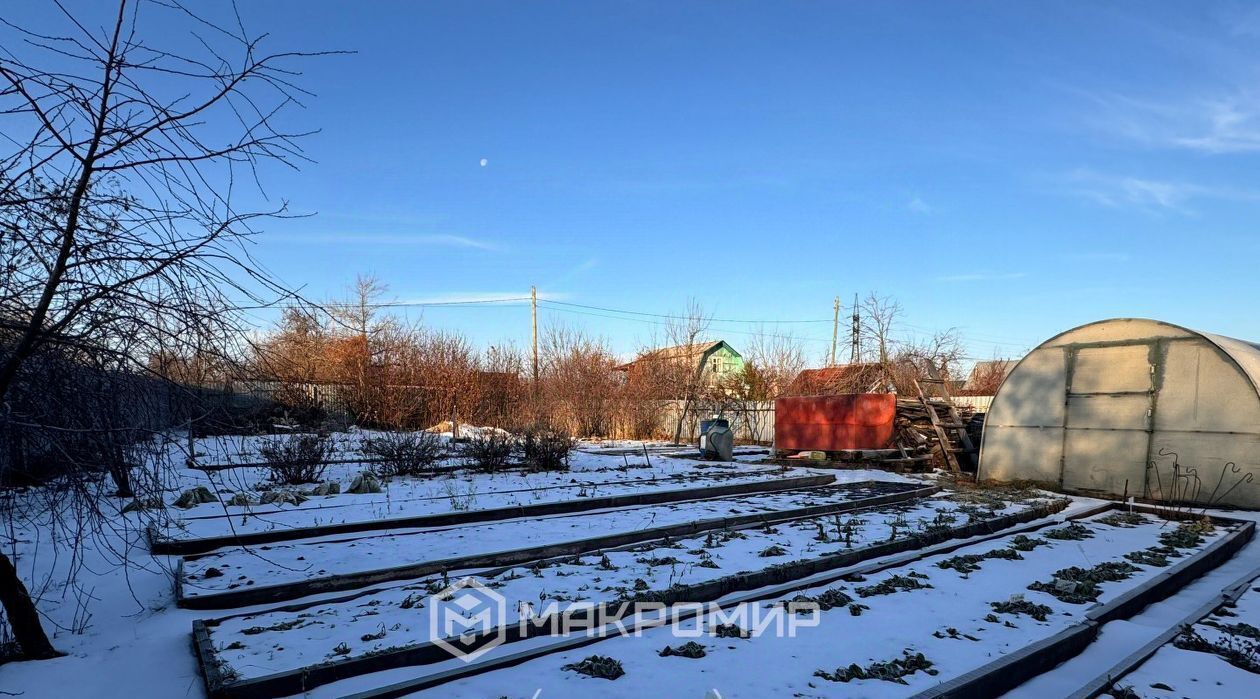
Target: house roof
[694, 352]
[842, 377]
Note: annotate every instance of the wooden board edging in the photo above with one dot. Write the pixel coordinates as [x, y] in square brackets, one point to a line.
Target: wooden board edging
[1131, 662]
[407, 687]
[263, 594]
[427, 653]
[161, 545]
[1010, 671]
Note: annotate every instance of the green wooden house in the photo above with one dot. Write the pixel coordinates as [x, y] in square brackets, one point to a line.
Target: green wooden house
[716, 360]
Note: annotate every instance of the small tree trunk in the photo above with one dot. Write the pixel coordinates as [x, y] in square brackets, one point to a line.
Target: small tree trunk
[119, 470]
[22, 615]
[121, 475]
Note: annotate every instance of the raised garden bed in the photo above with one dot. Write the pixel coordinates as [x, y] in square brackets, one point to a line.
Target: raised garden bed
[1215, 654]
[584, 469]
[271, 524]
[276, 573]
[389, 628]
[955, 625]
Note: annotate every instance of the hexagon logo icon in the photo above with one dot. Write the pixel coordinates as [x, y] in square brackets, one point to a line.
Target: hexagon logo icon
[466, 612]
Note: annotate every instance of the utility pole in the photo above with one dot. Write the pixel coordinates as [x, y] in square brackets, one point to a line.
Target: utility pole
[835, 330]
[533, 306]
[857, 331]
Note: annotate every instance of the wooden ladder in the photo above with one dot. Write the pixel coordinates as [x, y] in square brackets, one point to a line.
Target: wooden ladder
[955, 420]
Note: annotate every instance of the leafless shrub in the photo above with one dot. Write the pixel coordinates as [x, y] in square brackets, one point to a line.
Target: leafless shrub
[297, 458]
[404, 453]
[578, 387]
[546, 449]
[490, 451]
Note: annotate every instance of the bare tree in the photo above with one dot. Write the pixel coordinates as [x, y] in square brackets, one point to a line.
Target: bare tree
[685, 331]
[123, 205]
[771, 362]
[880, 315]
[365, 339]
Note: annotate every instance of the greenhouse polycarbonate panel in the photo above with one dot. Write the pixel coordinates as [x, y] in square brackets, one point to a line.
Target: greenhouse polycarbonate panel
[1108, 419]
[1118, 369]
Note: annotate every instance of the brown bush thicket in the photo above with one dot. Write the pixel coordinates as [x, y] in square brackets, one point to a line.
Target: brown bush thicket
[501, 389]
[546, 449]
[578, 390]
[384, 372]
[389, 374]
[296, 458]
[987, 377]
[404, 453]
[489, 450]
[401, 376]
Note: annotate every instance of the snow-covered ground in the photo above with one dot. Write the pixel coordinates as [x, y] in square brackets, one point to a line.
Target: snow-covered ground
[594, 471]
[124, 636]
[454, 492]
[952, 623]
[398, 616]
[128, 639]
[323, 557]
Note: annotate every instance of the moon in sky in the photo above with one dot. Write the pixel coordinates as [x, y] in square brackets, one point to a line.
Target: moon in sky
[483, 162]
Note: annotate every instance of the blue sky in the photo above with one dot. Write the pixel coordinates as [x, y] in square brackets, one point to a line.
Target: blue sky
[1012, 169]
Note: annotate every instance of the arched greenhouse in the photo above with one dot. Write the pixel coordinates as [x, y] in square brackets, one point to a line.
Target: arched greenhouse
[1132, 406]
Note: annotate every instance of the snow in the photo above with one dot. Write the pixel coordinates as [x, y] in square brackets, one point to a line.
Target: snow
[412, 497]
[1118, 639]
[339, 554]
[781, 666]
[133, 642]
[1188, 673]
[134, 645]
[594, 473]
[593, 578]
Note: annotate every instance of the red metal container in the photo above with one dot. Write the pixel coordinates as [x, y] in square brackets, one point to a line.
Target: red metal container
[834, 423]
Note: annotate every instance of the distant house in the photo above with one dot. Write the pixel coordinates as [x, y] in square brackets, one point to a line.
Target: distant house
[835, 380]
[717, 360]
[985, 377]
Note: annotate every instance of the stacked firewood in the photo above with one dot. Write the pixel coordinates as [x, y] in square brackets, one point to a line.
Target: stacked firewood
[913, 428]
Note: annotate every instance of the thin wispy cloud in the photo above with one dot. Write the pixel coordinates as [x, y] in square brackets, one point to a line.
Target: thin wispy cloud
[395, 239]
[1227, 122]
[1122, 191]
[982, 277]
[918, 206]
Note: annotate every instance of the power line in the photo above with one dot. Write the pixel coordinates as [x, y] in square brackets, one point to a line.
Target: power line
[988, 340]
[503, 302]
[659, 323]
[678, 317]
[655, 319]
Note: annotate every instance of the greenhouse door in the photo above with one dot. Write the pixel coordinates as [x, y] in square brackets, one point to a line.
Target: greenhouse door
[1109, 417]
